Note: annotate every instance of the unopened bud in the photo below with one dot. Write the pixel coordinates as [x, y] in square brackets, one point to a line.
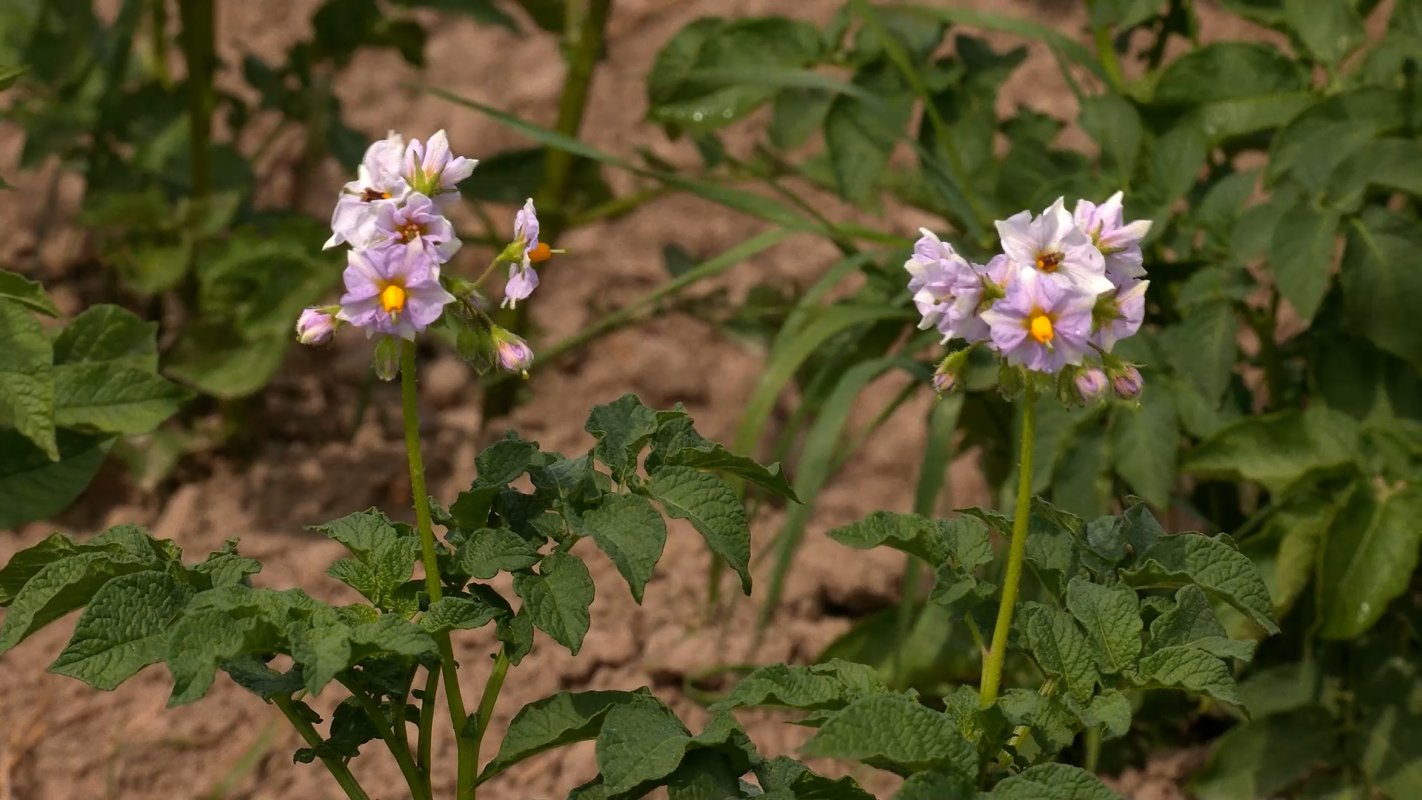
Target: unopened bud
[948, 375]
[511, 351]
[315, 326]
[1127, 382]
[1091, 384]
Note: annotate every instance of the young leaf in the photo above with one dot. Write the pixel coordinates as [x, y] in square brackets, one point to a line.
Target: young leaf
[896, 732]
[202, 640]
[557, 598]
[463, 613]
[829, 685]
[1193, 622]
[713, 509]
[105, 334]
[1189, 668]
[27, 377]
[124, 629]
[677, 444]
[554, 721]
[911, 533]
[1111, 616]
[1053, 782]
[621, 428]
[225, 567]
[1059, 648]
[641, 740]
[26, 563]
[784, 778]
[1213, 564]
[631, 532]
[487, 552]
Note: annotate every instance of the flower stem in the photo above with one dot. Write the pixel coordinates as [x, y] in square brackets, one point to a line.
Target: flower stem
[490, 698]
[458, 717]
[1016, 550]
[336, 766]
[399, 746]
[425, 745]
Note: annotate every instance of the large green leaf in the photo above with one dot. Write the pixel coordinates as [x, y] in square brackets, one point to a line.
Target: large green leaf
[489, 551]
[1111, 616]
[1059, 648]
[712, 507]
[106, 334]
[17, 288]
[123, 629]
[1189, 668]
[557, 597]
[1278, 449]
[631, 532]
[1053, 782]
[27, 377]
[34, 487]
[552, 722]
[106, 398]
[894, 731]
[641, 740]
[831, 684]
[1369, 554]
[1329, 30]
[62, 586]
[1202, 348]
[1212, 563]
[1228, 71]
[1379, 289]
[1144, 442]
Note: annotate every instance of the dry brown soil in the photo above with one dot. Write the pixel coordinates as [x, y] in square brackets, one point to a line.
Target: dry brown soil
[59, 739]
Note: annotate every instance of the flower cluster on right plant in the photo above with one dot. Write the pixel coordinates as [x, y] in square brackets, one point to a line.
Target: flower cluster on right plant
[1066, 288]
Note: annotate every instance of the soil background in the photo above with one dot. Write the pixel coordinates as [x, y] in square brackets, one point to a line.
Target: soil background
[311, 462]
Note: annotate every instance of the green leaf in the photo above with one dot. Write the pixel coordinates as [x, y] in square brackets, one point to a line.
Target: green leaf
[9, 74]
[554, 721]
[124, 629]
[860, 134]
[641, 740]
[1213, 564]
[1301, 255]
[621, 428]
[202, 640]
[1370, 552]
[62, 586]
[1059, 648]
[557, 598]
[1189, 668]
[1267, 756]
[1202, 348]
[17, 288]
[1330, 31]
[487, 552]
[384, 556]
[714, 457]
[965, 539]
[1115, 124]
[34, 487]
[1228, 71]
[832, 684]
[1278, 449]
[631, 532]
[1377, 287]
[112, 399]
[1053, 782]
[462, 614]
[1310, 147]
[894, 731]
[225, 567]
[106, 334]
[937, 786]
[1391, 163]
[1143, 441]
[1111, 616]
[362, 532]
[713, 509]
[784, 778]
[27, 377]
[1110, 710]
[25, 564]
[1192, 621]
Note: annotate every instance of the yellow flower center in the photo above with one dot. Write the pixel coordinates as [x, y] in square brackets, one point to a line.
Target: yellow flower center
[392, 299]
[371, 195]
[1048, 262]
[541, 252]
[1040, 327]
[410, 231]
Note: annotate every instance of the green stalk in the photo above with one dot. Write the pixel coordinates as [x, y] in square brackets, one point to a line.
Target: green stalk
[197, 42]
[489, 700]
[336, 766]
[448, 665]
[399, 746]
[1017, 549]
[425, 745]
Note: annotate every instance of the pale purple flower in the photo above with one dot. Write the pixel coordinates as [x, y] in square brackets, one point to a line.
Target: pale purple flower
[947, 289]
[1126, 382]
[1053, 246]
[511, 351]
[432, 170]
[1119, 243]
[523, 278]
[378, 183]
[1091, 384]
[417, 224]
[392, 290]
[315, 326]
[1118, 316]
[1042, 323]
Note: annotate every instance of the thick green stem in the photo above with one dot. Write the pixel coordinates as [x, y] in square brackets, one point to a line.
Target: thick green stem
[1016, 550]
[399, 746]
[489, 700]
[458, 717]
[337, 767]
[197, 41]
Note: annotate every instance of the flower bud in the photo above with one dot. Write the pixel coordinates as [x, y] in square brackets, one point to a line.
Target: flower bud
[315, 326]
[511, 351]
[1090, 384]
[387, 358]
[949, 373]
[1127, 382]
